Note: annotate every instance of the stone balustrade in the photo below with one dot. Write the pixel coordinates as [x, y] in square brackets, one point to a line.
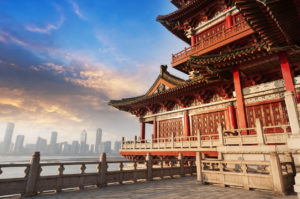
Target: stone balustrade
[237, 137]
[34, 183]
[273, 174]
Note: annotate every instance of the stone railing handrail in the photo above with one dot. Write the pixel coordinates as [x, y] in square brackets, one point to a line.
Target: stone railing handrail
[257, 135]
[271, 175]
[13, 165]
[33, 183]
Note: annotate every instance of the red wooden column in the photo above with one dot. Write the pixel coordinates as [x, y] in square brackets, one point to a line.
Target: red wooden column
[232, 118]
[228, 21]
[154, 129]
[193, 40]
[186, 125]
[286, 73]
[142, 130]
[239, 99]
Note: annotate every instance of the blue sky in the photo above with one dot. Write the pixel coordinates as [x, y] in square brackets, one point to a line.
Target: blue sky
[62, 60]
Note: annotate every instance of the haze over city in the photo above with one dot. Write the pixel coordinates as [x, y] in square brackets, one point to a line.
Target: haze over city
[61, 62]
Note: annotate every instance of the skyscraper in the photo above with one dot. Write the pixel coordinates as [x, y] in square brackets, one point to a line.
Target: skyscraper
[41, 145]
[98, 140]
[8, 136]
[83, 138]
[53, 147]
[19, 144]
[117, 147]
[53, 139]
[107, 147]
[75, 147]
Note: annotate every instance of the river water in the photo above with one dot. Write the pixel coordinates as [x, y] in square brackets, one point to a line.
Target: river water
[51, 170]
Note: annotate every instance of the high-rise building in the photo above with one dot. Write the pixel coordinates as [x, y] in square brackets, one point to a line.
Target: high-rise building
[41, 145]
[75, 147]
[107, 147]
[19, 144]
[92, 148]
[117, 147]
[98, 140]
[53, 147]
[7, 137]
[83, 139]
[53, 139]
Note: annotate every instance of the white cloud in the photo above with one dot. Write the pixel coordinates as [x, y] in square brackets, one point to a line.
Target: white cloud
[76, 9]
[46, 29]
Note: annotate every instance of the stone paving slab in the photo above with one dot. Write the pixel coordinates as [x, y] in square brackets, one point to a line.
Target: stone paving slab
[183, 188]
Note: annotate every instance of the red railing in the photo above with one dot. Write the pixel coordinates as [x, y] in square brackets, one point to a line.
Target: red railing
[206, 43]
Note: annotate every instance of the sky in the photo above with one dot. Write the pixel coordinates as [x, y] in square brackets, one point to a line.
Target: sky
[61, 61]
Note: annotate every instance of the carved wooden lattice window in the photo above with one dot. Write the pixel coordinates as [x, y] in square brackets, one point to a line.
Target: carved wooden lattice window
[207, 123]
[270, 114]
[167, 127]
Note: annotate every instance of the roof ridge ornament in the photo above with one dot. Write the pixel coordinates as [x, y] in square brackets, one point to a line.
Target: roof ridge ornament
[163, 69]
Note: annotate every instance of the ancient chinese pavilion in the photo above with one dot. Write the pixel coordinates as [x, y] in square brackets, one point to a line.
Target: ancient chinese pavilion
[243, 63]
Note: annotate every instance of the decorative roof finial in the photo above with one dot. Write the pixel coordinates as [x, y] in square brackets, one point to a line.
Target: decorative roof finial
[163, 69]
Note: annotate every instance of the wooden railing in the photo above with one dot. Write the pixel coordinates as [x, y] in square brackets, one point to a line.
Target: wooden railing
[237, 137]
[204, 44]
[268, 175]
[34, 183]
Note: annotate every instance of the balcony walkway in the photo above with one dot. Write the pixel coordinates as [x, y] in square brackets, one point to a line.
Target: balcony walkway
[168, 188]
[213, 42]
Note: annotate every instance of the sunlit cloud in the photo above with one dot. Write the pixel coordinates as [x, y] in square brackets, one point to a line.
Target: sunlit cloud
[10, 101]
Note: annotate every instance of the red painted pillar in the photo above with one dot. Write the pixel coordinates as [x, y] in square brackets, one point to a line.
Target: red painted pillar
[239, 99]
[154, 129]
[286, 73]
[228, 21]
[186, 125]
[142, 131]
[193, 40]
[232, 119]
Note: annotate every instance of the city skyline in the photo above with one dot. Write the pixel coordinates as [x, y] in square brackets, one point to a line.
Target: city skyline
[17, 142]
[61, 61]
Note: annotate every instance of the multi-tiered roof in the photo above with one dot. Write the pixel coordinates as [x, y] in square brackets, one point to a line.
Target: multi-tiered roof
[261, 30]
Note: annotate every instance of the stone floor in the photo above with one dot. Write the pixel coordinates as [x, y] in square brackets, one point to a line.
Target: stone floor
[169, 189]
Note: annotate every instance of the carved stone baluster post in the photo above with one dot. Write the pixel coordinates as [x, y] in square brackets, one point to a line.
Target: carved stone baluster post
[259, 132]
[221, 168]
[134, 144]
[276, 173]
[199, 138]
[82, 172]
[149, 160]
[161, 168]
[245, 176]
[152, 141]
[61, 169]
[220, 131]
[34, 173]
[103, 169]
[172, 140]
[99, 174]
[199, 168]
[171, 168]
[134, 172]
[26, 171]
[121, 166]
[181, 164]
[241, 138]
